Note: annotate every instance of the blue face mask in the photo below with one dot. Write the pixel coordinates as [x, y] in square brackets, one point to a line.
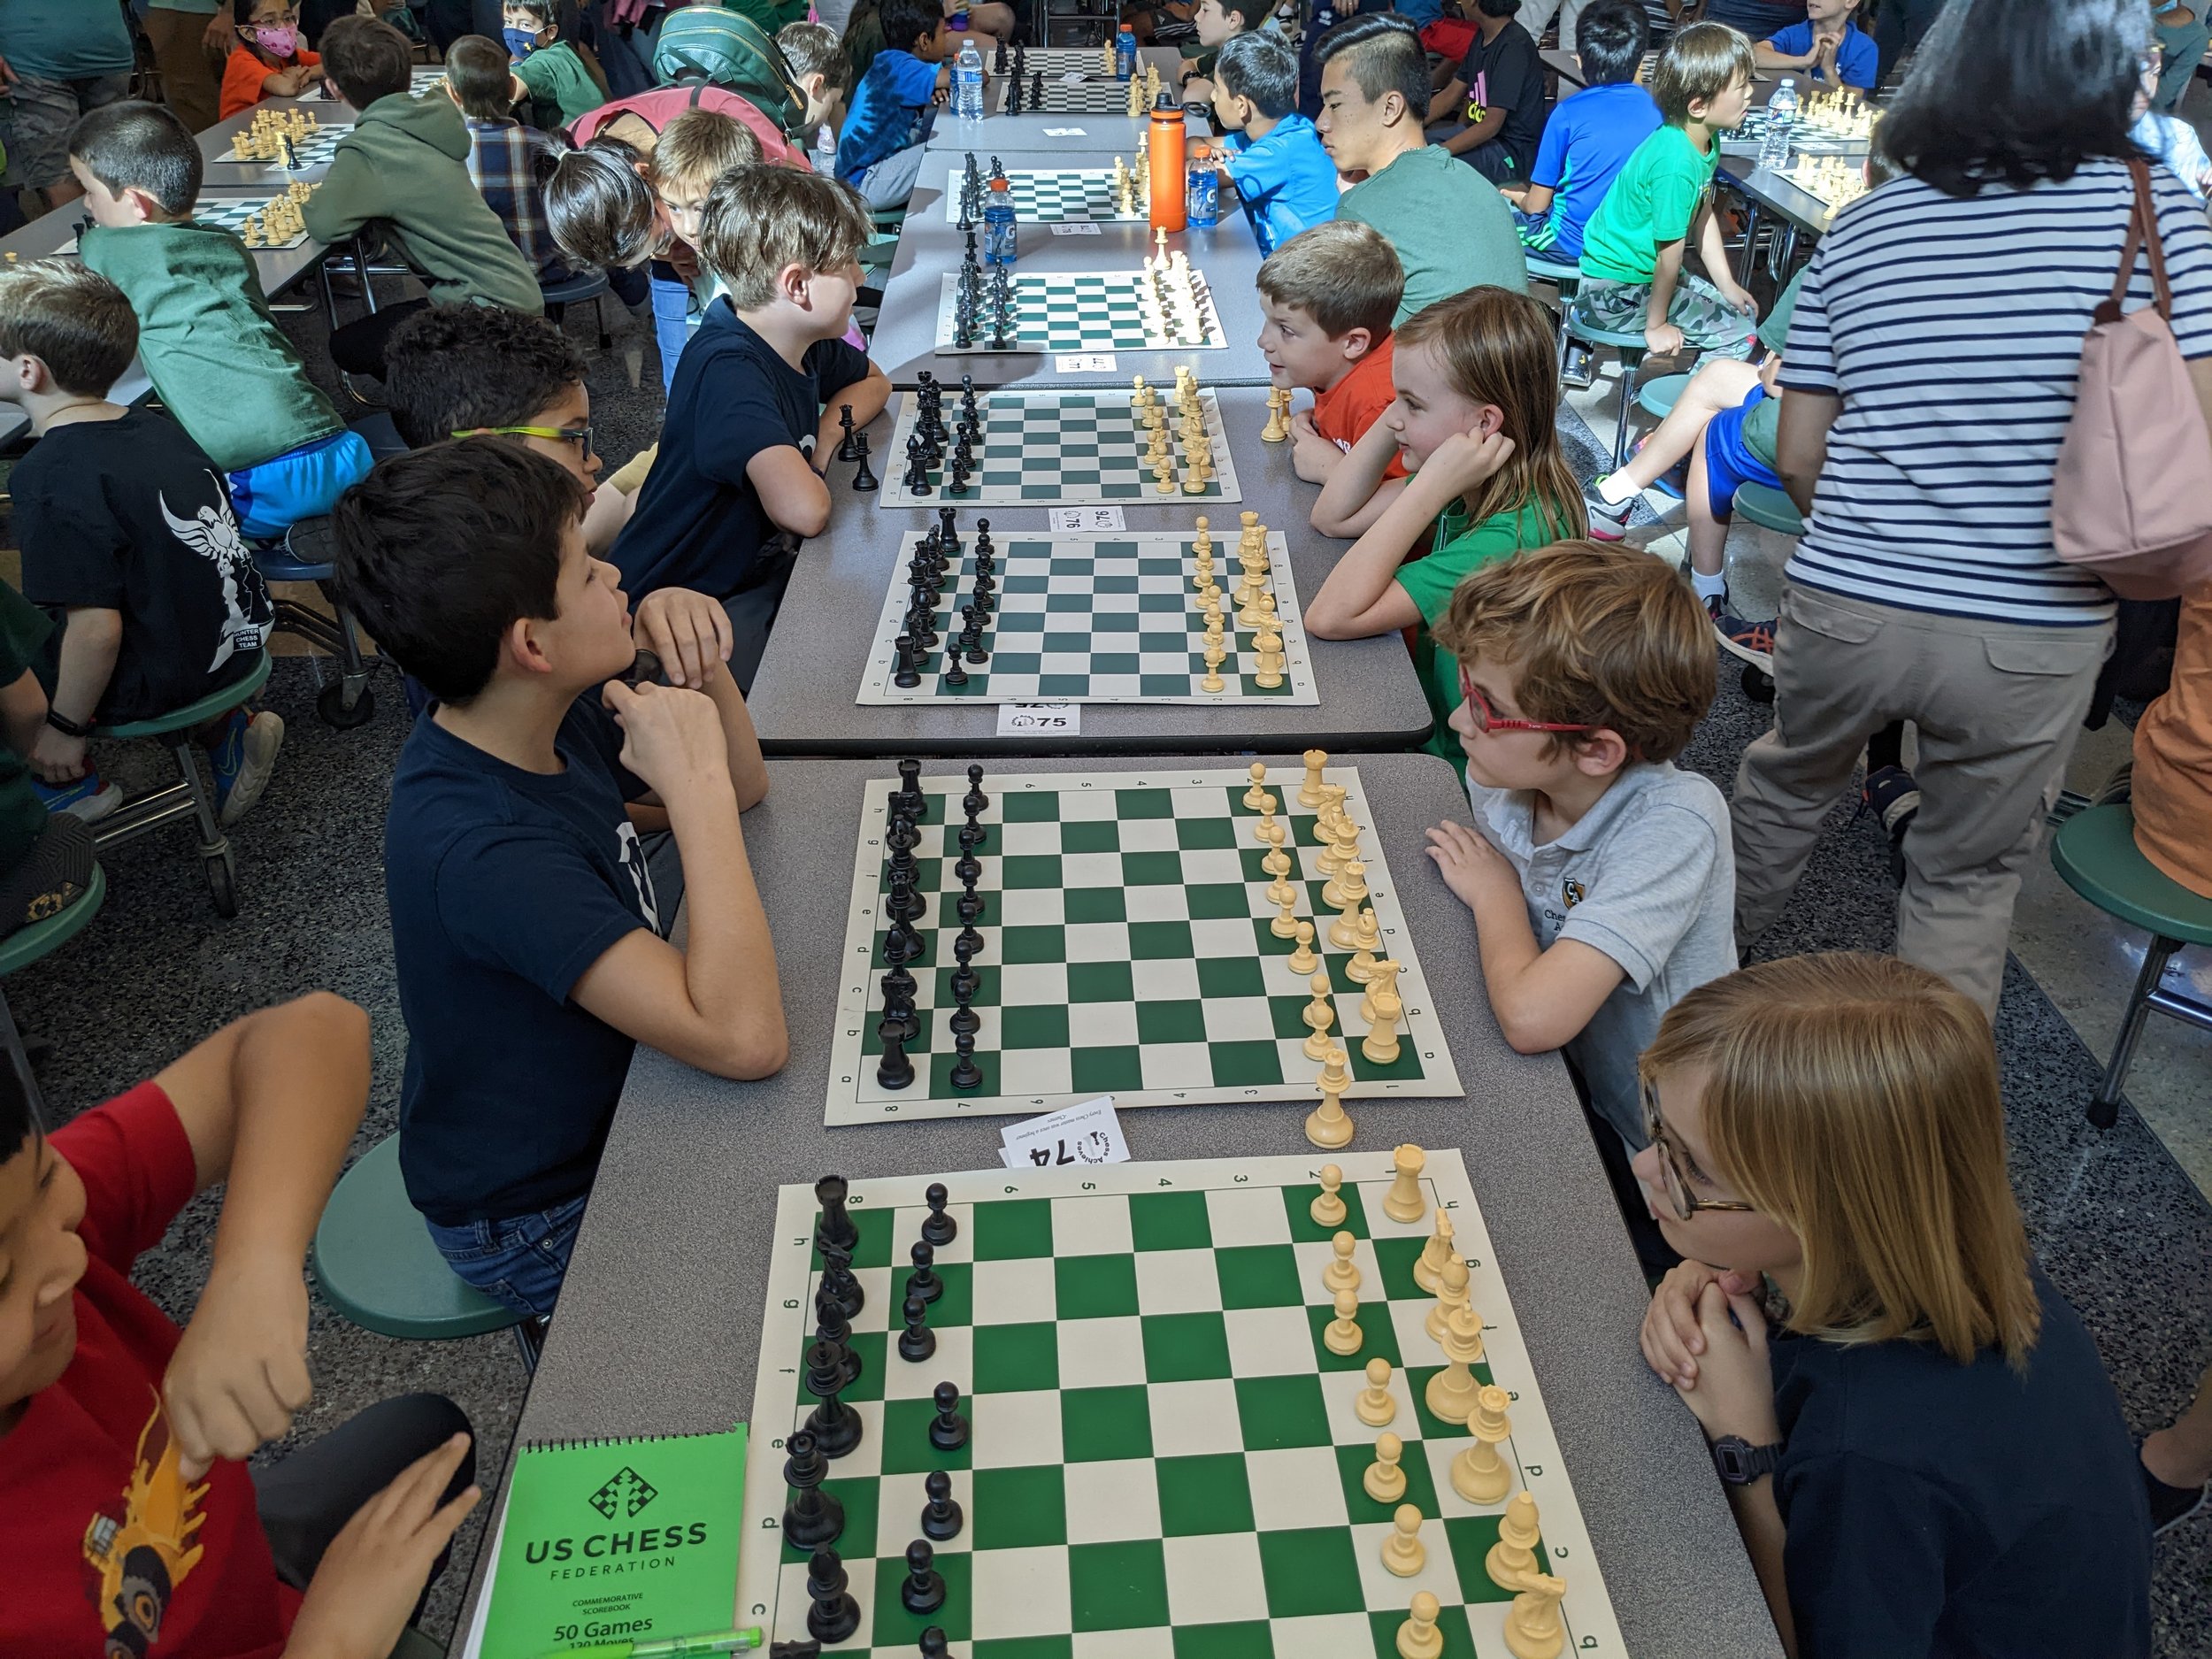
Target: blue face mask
[520, 43]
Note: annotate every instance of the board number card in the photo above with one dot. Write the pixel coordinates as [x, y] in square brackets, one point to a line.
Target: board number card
[1087, 1134]
[1028, 719]
[1075, 521]
[1085, 363]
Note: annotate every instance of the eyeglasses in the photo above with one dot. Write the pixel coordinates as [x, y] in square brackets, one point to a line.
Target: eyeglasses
[1671, 1179]
[581, 435]
[1488, 720]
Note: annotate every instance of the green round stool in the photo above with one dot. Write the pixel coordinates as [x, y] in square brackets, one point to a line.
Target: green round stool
[378, 1266]
[29, 943]
[1769, 509]
[1629, 344]
[1657, 398]
[2094, 851]
[1565, 276]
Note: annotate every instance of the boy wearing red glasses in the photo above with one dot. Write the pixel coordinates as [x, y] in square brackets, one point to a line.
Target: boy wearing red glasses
[1599, 873]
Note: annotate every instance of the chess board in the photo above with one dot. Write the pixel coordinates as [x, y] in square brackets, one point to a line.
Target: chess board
[1057, 449]
[1080, 310]
[1068, 195]
[1834, 184]
[232, 212]
[1096, 93]
[1127, 951]
[1804, 139]
[1109, 619]
[422, 80]
[1162, 1457]
[314, 151]
[1058, 60]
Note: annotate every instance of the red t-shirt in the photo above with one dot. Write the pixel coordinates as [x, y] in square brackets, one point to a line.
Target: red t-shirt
[1345, 412]
[91, 1508]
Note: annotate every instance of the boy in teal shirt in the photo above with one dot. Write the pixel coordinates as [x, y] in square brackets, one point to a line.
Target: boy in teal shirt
[1633, 246]
[548, 64]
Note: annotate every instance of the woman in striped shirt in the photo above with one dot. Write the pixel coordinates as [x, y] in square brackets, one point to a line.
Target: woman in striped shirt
[1931, 369]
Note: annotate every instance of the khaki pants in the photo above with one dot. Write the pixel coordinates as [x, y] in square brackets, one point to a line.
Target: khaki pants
[1997, 709]
[191, 78]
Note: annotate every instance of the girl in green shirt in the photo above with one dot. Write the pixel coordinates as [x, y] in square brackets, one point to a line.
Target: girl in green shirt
[1476, 420]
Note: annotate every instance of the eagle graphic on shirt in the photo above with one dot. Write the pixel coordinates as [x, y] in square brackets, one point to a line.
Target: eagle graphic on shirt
[140, 1550]
[213, 534]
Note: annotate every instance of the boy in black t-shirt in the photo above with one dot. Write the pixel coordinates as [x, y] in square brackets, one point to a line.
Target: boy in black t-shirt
[526, 924]
[1498, 93]
[756, 402]
[128, 539]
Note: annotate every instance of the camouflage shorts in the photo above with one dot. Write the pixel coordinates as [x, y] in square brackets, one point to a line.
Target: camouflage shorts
[1707, 320]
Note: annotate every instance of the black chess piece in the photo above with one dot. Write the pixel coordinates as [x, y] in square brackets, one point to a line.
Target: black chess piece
[948, 1430]
[917, 1341]
[975, 802]
[935, 1643]
[938, 1227]
[898, 1006]
[1014, 95]
[905, 675]
[913, 803]
[955, 675]
[831, 1324]
[924, 1591]
[1037, 90]
[845, 421]
[894, 1069]
[965, 980]
[902, 837]
[965, 1073]
[923, 1281]
[813, 1517]
[963, 1020]
[838, 1281]
[864, 480]
[940, 1517]
[835, 1425]
[832, 1615]
[998, 67]
[950, 537]
[835, 1225]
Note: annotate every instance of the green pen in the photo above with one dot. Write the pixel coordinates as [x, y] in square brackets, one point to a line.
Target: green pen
[720, 1641]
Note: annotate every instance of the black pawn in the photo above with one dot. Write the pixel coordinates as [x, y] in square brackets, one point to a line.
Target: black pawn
[832, 1615]
[923, 1281]
[813, 1518]
[965, 1073]
[949, 1430]
[975, 800]
[940, 1515]
[955, 675]
[939, 1228]
[924, 1591]
[935, 1644]
[917, 1341]
[863, 480]
[845, 451]
[834, 1226]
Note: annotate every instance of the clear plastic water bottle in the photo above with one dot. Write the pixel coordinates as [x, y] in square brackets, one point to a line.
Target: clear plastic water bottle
[1203, 201]
[1124, 54]
[826, 150]
[967, 82]
[998, 223]
[1774, 144]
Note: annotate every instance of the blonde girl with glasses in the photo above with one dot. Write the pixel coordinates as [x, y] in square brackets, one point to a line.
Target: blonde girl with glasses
[1922, 1447]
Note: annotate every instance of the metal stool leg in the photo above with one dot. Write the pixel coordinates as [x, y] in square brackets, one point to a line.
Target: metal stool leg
[1630, 361]
[2104, 1110]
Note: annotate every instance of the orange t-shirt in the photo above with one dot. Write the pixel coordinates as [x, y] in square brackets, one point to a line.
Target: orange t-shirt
[2173, 756]
[243, 77]
[1346, 410]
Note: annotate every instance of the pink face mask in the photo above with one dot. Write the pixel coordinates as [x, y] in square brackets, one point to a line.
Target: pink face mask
[280, 42]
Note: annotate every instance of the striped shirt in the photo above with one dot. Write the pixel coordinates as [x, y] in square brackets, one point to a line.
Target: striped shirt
[1952, 330]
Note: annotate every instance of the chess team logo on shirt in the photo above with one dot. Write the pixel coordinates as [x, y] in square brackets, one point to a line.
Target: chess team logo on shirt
[625, 1495]
[1571, 893]
[640, 874]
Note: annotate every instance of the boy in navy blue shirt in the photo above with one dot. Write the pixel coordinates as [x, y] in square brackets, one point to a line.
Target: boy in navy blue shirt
[895, 104]
[1590, 135]
[1827, 48]
[526, 927]
[1276, 164]
[756, 397]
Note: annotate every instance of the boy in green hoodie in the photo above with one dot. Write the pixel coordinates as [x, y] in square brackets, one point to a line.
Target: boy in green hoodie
[404, 169]
[211, 347]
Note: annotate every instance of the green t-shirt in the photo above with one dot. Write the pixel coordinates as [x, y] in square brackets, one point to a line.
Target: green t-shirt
[557, 75]
[64, 40]
[23, 631]
[225, 370]
[1460, 548]
[1765, 418]
[1449, 225]
[1651, 204]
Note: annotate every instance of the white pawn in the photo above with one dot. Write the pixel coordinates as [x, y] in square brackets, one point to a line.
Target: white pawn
[1478, 1474]
[1304, 960]
[1342, 1272]
[1418, 1637]
[1402, 1553]
[1375, 1405]
[1256, 797]
[1319, 1016]
[1404, 1202]
[1327, 1210]
[1428, 1271]
[1384, 1481]
[1532, 1628]
[1342, 1337]
[1513, 1557]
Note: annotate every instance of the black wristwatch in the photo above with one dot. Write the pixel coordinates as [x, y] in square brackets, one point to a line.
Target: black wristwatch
[66, 726]
[1740, 1462]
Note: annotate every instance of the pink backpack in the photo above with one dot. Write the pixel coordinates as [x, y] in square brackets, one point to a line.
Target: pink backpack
[2131, 501]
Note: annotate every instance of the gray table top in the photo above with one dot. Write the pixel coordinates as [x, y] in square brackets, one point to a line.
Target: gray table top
[905, 341]
[1035, 136]
[1770, 190]
[802, 697]
[659, 1325]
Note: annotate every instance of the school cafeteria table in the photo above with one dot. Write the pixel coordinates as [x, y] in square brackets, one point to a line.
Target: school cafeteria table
[929, 248]
[803, 698]
[1764, 191]
[660, 1321]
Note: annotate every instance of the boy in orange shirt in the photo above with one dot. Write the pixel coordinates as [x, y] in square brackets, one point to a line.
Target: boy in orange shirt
[1328, 294]
[270, 59]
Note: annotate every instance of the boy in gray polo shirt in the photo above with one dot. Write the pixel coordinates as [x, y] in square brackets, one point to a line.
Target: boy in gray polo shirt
[1600, 873]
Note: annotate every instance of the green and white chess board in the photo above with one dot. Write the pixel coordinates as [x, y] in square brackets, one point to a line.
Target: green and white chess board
[1086, 310]
[1065, 196]
[1080, 619]
[314, 151]
[1098, 93]
[232, 212]
[1060, 60]
[1164, 1459]
[1128, 950]
[1057, 449]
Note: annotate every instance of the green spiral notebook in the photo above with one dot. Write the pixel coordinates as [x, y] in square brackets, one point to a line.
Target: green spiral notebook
[609, 1540]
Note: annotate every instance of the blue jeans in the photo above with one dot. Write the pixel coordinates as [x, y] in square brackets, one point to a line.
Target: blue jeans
[520, 1261]
[671, 324]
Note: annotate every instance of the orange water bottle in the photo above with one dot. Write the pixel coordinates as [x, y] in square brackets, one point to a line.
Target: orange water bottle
[1170, 172]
